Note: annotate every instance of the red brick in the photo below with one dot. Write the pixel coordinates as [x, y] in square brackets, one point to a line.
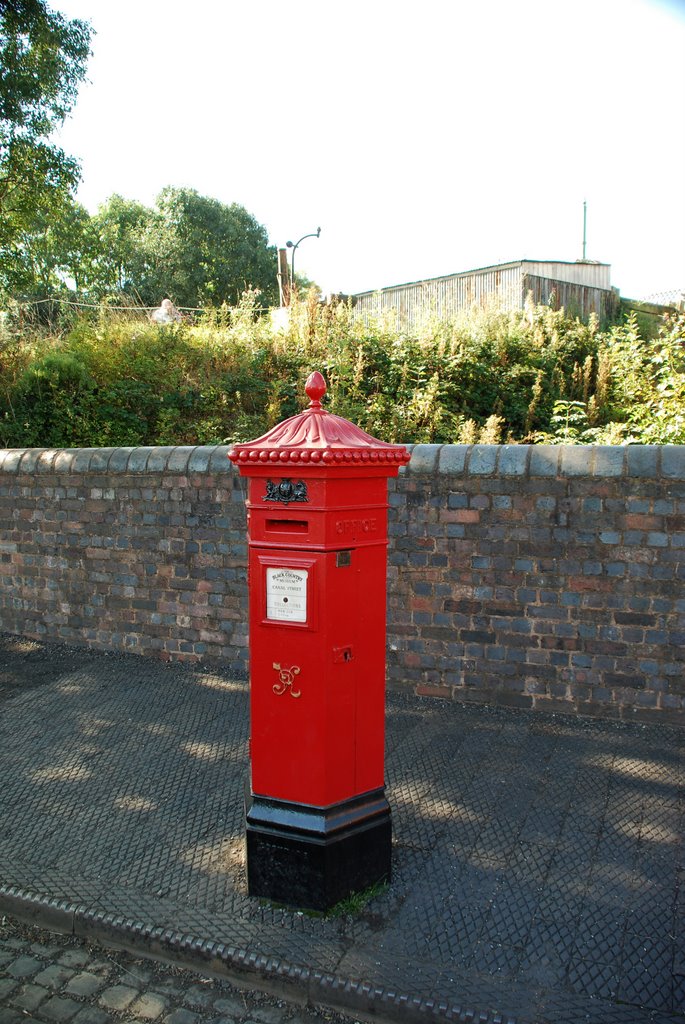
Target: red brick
[433, 691]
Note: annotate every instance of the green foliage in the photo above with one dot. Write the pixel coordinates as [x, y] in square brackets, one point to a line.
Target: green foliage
[42, 63]
[123, 227]
[207, 253]
[649, 381]
[55, 248]
[533, 376]
[191, 248]
[357, 902]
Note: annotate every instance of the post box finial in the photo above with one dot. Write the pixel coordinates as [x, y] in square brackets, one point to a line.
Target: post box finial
[315, 388]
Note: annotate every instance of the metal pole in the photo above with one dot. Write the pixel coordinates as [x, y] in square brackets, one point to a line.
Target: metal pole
[293, 246]
[584, 226]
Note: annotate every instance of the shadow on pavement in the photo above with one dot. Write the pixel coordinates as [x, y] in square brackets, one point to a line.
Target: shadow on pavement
[536, 859]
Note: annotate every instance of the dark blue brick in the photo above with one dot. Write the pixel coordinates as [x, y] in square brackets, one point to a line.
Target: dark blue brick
[495, 653]
[518, 625]
[546, 504]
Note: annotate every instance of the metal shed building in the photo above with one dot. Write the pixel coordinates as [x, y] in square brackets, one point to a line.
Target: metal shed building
[581, 288]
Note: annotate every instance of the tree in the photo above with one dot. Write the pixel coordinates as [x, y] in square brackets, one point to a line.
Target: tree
[123, 227]
[55, 254]
[192, 248]
[43, 60]
[204, 253]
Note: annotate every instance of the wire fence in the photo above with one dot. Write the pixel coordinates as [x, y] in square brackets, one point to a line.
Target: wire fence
[104, 305]
[672, 297]
[59, 313]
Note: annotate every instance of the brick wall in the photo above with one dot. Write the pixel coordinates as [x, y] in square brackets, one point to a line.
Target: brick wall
[528, 576]
[542, 576]
[139, 549]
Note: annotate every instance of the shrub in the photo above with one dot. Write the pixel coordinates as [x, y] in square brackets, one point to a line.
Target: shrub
[534, 375]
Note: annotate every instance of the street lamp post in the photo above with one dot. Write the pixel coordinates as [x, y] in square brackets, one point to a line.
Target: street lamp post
[293, 246]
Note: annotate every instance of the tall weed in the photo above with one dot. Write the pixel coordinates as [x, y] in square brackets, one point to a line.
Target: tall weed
[532, 375]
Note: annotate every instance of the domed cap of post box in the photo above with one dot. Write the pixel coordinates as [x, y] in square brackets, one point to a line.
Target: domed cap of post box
[318, 437]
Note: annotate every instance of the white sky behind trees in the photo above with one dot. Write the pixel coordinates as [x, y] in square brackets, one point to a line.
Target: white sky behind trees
[424, 138]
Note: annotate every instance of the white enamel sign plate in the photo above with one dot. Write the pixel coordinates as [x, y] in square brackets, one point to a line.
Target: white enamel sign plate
[286, 595]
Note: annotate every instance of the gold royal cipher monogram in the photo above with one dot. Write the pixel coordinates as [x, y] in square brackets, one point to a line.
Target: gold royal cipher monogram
[286, 680]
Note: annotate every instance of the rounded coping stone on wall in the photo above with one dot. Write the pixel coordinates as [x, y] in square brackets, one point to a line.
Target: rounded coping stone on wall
[82, 459]
[513, 459]
[609, 460]
[99, 461]
[424, 458]
[642, 460]
[576, 459]
[452, 458]
[483, 459]
[11, 457]
[544, 461]
[30, 459]
[178, 459]
[673, 461]
[199, 460]
[118, 462]
[45, 462]
[138, 459]
[64, 460]
[219, 461]
[8, 461]
[159, 459]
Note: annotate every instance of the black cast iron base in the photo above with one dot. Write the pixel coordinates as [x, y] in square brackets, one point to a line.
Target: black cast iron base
[314, 857]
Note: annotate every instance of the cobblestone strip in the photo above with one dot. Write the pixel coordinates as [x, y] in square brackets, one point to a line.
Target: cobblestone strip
[57, 979]
[327, 993]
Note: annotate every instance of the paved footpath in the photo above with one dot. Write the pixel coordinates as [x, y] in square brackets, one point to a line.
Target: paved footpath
[58, 979]
[538, 861]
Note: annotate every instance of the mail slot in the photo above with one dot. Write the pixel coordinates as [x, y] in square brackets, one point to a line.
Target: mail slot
[317, 820]
[287, 525]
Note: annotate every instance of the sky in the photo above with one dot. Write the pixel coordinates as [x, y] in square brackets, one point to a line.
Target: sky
[422, 138]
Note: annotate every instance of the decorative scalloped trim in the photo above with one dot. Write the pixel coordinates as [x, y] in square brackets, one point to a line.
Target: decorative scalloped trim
[326, 457]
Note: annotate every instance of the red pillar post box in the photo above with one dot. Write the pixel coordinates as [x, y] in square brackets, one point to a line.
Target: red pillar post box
[318, 822]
